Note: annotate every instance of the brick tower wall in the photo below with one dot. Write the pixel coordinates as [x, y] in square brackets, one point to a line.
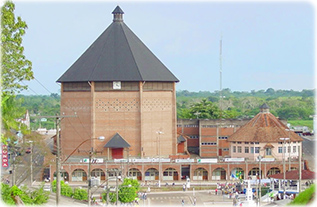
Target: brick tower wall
[158, 111]
[135, 114]
[75, 130]
[118, 112]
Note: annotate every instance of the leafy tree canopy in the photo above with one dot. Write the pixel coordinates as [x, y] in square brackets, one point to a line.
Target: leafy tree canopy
[15, 66]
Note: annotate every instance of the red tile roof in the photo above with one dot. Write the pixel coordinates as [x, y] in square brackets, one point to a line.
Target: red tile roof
[264, 127]
[293, 175]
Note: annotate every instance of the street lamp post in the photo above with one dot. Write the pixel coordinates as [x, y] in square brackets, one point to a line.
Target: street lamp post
[289, 158]
[89, 176]
[260, 176]
[91, 152]
[284, 139]
[159, 151]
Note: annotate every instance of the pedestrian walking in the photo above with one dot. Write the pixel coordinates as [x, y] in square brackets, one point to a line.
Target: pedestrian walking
[184, 187]
[145, 196]
[216, 191]
[183, 202]
[234, 202]
[194, 201]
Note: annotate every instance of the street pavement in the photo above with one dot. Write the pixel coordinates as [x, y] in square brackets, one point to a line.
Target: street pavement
[64, 201]
[174, 198]
[309, 147]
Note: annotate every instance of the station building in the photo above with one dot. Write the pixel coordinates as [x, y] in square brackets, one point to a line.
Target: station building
[122, 92]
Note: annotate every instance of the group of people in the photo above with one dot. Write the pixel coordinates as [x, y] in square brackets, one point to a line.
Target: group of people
[227, 188]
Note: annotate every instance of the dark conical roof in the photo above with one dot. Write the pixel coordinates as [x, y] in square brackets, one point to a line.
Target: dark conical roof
[117, 10]
[264, 106]
[117, 55]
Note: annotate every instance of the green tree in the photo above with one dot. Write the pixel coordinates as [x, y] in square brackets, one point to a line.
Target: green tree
[6, 194]
[28, 197]
[40, 196]
[204, 110]
[231, 114]
[128, 190]
[11, 111]
[15, 66]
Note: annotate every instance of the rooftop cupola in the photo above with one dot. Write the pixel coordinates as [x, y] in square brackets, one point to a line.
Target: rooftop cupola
[117, 14]
[264, 108]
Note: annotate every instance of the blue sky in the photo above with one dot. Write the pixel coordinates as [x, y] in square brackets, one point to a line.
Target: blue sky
[264, 44]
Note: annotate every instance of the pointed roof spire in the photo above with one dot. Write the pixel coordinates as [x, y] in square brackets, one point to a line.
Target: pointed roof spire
[264, 108]
[118, 14]
[117, 55]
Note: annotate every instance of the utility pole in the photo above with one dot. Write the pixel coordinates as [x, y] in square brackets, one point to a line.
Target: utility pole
[284, 155]
[260, 177]
[31, 160]
[13, 168]
[300, 168]
[289, 148]
[58, 166]
[58, 119]
[117, 191]
[89, 177]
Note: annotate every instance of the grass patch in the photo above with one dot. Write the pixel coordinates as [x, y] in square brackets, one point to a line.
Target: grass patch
[308, 123]
[304, 197]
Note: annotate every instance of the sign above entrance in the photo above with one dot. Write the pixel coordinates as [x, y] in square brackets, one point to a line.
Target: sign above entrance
[215, 160]
[95, 160]
[236, 159]
[184, 160]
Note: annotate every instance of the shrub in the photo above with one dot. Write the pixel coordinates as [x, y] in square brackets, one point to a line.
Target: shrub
[80, 194]
[66, 190]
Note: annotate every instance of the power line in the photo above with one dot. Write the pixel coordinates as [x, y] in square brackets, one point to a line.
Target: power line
[42, 85]
[29, 88]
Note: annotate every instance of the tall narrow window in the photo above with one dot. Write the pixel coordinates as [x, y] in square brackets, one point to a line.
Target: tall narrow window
[246, 149]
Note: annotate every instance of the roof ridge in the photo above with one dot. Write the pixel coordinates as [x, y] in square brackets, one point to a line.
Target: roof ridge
[256, 120]
[99, 58]
[125, 36]
[123, 138]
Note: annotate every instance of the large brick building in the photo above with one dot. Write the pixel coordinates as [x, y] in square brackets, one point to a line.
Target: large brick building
[119, 90]
[208, 138]
[265, 135]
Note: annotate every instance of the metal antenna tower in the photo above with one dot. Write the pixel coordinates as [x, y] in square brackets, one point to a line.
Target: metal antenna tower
[220, 73]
